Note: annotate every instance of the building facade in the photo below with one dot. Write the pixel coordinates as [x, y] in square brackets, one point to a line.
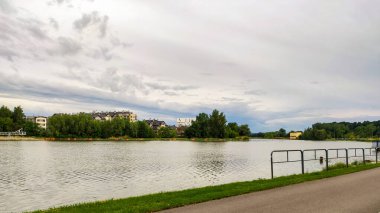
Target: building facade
[295, 135]
[186, 122]
[40, 120]
[107, 116]
[155, 124]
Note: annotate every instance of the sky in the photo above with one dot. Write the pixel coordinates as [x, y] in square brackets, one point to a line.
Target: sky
[271, 64]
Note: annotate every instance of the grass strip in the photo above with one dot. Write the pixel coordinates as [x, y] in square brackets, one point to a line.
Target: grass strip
[166, 200]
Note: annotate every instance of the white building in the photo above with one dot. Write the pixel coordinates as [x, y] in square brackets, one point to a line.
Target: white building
[184, 122]
[40, 120]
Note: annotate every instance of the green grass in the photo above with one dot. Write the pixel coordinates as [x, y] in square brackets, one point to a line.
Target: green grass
[166, 200]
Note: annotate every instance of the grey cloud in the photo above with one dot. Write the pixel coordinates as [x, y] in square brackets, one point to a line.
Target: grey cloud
[70, 64]
[102, 52]
[106, 53]
[255, 92]
[58, 2]
[171, 93]
[116, 42]
[37, 32]
[159, 86]
[103, 26]
[7, 54]
[92, 19]
[54, 23]
[66, 46]
[116, 81]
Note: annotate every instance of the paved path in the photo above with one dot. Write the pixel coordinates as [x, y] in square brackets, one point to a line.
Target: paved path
[357, 192]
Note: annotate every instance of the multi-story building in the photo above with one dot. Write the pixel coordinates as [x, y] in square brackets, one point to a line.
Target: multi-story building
[40, 120]
[155, 124]
[184, 122]
[107, 116]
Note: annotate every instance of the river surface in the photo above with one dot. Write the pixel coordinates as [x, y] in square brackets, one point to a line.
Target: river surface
[39, 175]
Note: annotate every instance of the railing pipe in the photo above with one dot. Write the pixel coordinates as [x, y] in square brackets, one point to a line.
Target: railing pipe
[302, 163]
[363, 156]
[327, 159]
[271, 164]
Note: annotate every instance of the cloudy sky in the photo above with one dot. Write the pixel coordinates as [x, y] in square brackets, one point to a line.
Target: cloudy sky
[270, 64]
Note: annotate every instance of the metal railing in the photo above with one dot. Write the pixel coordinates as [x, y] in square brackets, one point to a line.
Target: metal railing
[15, 133]
[327, 154]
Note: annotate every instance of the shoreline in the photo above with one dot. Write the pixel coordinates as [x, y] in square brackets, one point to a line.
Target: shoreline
[169, 200]
[240, 139]
[121, 139]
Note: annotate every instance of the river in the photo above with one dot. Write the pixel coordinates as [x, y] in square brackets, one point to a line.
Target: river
[39, 175]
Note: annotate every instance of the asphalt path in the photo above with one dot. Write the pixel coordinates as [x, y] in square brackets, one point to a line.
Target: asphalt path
[356, 192]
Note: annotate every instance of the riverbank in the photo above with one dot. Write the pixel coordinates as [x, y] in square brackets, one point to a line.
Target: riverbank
[20, 138]
[167, 200]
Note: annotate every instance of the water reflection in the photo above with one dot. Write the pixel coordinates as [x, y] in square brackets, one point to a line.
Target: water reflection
[38, 175]
[210, 161]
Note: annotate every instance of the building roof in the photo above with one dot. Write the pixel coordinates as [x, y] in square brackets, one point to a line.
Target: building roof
[113, 114]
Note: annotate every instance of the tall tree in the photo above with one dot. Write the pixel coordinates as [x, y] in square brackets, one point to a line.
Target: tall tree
[217, 124]
[244, 130]
[5, 112]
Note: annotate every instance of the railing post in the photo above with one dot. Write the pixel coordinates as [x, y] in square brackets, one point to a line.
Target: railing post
[346, 157]
[327, 160]
[363, 156]
[287, 155]
[271, 164]
[302, 162]
[376, 153]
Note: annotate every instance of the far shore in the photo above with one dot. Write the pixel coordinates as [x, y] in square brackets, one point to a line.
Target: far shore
[30, 138]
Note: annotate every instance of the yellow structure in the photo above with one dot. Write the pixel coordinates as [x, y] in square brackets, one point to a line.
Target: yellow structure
[295, 135]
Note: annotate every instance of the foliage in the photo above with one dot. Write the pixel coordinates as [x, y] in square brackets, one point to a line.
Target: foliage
[83, 126]
[281, 133]
[167, 132]
[13, 120]
[215, 126]
[342, 130]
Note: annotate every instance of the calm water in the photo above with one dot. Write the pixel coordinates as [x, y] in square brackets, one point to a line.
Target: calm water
[39, 175]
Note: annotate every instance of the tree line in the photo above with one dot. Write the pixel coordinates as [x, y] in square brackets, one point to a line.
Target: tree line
[215, 126]
[82, 125]
[342, 130]
[281, 133]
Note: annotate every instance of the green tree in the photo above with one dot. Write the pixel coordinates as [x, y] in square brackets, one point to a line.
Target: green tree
[244, 130]
[18, 117]
[167, 132]
[217, 124]
[5, 112]
[144, 130]
[6, 124]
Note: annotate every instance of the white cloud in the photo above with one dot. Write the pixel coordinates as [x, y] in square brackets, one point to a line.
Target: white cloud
[271, 64]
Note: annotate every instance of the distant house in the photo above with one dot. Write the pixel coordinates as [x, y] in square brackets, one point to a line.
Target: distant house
[155, 124]
[295, 135]
[184, 122]
[40, 120]
[107, 116]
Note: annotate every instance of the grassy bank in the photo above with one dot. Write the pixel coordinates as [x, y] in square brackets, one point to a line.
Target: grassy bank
[161, 201]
